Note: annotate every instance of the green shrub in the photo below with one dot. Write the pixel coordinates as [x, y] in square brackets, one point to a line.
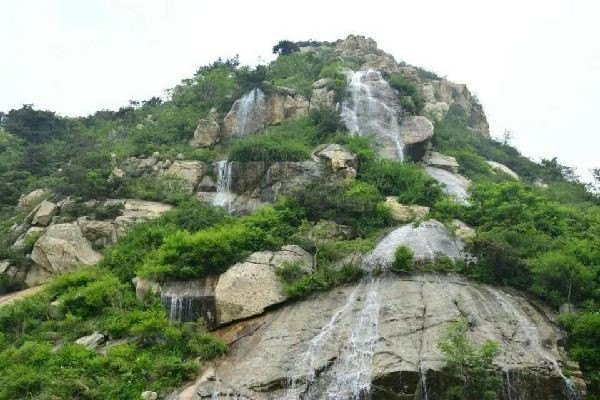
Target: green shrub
[406, 181]
[268, 148]
[411, 97]
[323, 279]
[473, 367]
[403, 259]
[353, 203]
[213, 250]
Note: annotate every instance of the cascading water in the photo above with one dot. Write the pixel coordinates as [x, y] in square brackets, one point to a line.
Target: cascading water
[250, 114]
[180, 308]
[372, 109]
[224, 197]
[534, 341]
[352, 370]
[424, 394]
[350, 375]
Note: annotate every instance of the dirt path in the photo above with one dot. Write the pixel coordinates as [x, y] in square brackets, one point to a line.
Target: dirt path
[10, 298]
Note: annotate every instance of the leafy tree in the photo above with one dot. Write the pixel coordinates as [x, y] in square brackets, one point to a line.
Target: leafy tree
[285, 47]
[560, 276]
[35, 126]
[471, 365]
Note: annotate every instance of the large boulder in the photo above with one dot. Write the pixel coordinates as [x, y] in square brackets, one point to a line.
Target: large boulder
[403, 213]
[189, 171]
[135, 212]
[339, 158]
[32, 232]
[44, 213]
[249, 287]
[322, 98]
[377, 339]
[92, 341]
[100, 233]
[455, 185]
[27, 201]
[208, 131]
[62, 248]
[429, 241]
[496, 166]
[441, 161]
[415, 134]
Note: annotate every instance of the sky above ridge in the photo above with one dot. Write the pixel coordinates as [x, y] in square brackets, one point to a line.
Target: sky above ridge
[533, 64]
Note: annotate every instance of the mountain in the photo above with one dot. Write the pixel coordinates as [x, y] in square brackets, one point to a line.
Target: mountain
[333, 225]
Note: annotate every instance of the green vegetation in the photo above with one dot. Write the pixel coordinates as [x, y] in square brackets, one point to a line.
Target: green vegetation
[268, 148]
[212, 250]
[403, 259]
[147, 352]
[411, 97]
[543, 240]
[470, 365]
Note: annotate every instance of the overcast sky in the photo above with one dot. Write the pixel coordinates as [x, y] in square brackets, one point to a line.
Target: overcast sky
[533, 64]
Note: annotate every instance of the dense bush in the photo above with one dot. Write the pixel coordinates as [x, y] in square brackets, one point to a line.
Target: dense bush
[403, 259]
[39, 360]
[353, 203]
[409, 182]
[213, 250]
[268, 148]
[128, 255]
[411, 97]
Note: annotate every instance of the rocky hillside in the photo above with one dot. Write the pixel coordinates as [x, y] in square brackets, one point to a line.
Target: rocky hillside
[333, 225]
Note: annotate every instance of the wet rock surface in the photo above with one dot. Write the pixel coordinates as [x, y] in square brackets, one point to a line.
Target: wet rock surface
[301, 351]
[455, 185]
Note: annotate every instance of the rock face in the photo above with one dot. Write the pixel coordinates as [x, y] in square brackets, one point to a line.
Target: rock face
[282, 105]
[373, 108]
[503, 168]
[247, 288]
[428, 241]
[244, 186]
[379, 338]
[60, 249]
[454, 184]
[415, 133]
[247, 115]
[92, 341]
[339, 158]
[441, 161]
[28, 200]
[184, 300]
[63, 247]
[449, 93]
[44, 213]
[403, 213]
[189, 171]
[208, 131]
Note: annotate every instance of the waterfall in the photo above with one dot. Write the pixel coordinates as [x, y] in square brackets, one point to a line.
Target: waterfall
[352, 370]
[373, 109]
[180, 308]
[224, 197]
[424, 395]
[534, 341]
[250, 113]
[508, 385]
[350, 374]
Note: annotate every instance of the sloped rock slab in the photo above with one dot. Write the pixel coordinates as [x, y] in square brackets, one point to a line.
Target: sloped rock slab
[301, 351]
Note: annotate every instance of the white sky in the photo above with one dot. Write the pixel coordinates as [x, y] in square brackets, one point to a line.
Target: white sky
[533, 64]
